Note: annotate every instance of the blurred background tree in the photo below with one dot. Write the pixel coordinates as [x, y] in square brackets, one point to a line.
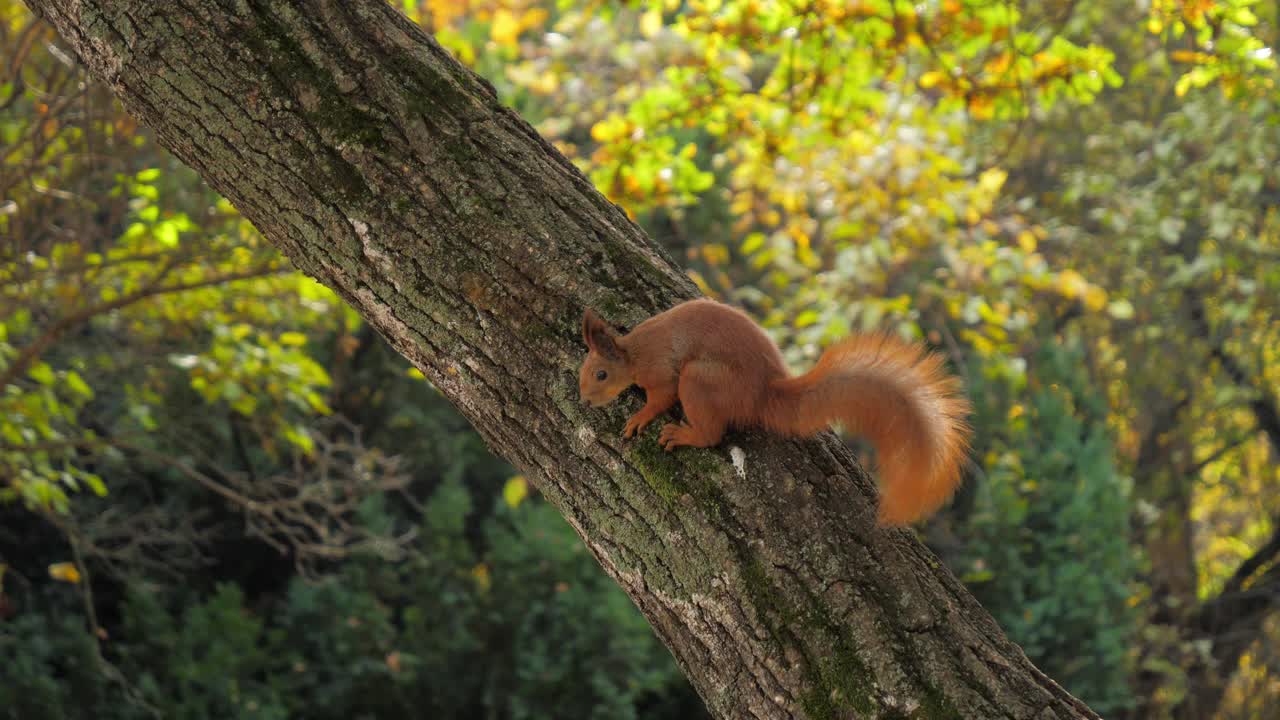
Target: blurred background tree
[222, 495]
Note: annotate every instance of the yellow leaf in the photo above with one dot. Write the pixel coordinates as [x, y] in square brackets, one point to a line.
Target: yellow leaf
[651, 23]
[905, 155]
[715, 253]
[1188, 56]
[505, 28]
[480, 573]
[1095, 298]
[999, 63]
[293, 338]
[515, 491]
[532, 18]
[609, 129]
[798, 234]
[992, 180]
[981, 107]
[808, 257]
[1196, 10]
[700, 281]
[1027, 241]
[931, 79]
[444, 12]
[546, 83]
[1071, 284]
[65, 571]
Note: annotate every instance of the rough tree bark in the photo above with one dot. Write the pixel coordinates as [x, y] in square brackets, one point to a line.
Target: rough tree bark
[392, 174]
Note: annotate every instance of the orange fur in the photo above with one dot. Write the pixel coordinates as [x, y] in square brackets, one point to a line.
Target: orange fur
[725, 371]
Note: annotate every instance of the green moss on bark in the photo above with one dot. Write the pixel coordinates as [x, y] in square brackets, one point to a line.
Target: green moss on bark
[672, 474]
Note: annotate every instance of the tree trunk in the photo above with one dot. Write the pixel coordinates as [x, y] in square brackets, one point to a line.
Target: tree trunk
[392, 174]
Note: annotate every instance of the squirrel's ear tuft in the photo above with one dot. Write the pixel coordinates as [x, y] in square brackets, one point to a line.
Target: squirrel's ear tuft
[589, 320]
[599, 336]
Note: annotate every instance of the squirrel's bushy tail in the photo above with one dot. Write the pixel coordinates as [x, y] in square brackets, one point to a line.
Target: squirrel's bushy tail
[898, 395]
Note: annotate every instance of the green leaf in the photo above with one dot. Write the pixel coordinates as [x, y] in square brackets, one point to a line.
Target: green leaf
[300, 438]
[167, 234]
[77, 385]
[1120, 309]
[515, 491]
[42, 373]
[134, 231]
[806, 318]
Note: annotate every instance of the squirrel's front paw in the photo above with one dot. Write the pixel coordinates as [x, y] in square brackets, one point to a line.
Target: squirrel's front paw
[634, 425]
[673, 436]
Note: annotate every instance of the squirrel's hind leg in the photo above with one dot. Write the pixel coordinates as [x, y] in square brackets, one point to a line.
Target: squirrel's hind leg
[705, 395]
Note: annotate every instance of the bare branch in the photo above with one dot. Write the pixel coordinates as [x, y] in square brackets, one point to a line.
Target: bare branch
[310, 513]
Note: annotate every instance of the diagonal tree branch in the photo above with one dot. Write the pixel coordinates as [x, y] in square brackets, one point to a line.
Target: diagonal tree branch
[1265, 408]
[1232, 621]
[1264, 555]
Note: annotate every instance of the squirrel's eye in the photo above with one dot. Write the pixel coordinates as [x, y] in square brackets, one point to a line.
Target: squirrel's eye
[601, 375]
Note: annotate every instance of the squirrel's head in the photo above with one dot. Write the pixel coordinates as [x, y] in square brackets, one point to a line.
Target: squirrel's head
[605, 373]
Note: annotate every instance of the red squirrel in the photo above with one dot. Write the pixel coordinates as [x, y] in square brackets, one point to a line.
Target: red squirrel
[726, 371]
